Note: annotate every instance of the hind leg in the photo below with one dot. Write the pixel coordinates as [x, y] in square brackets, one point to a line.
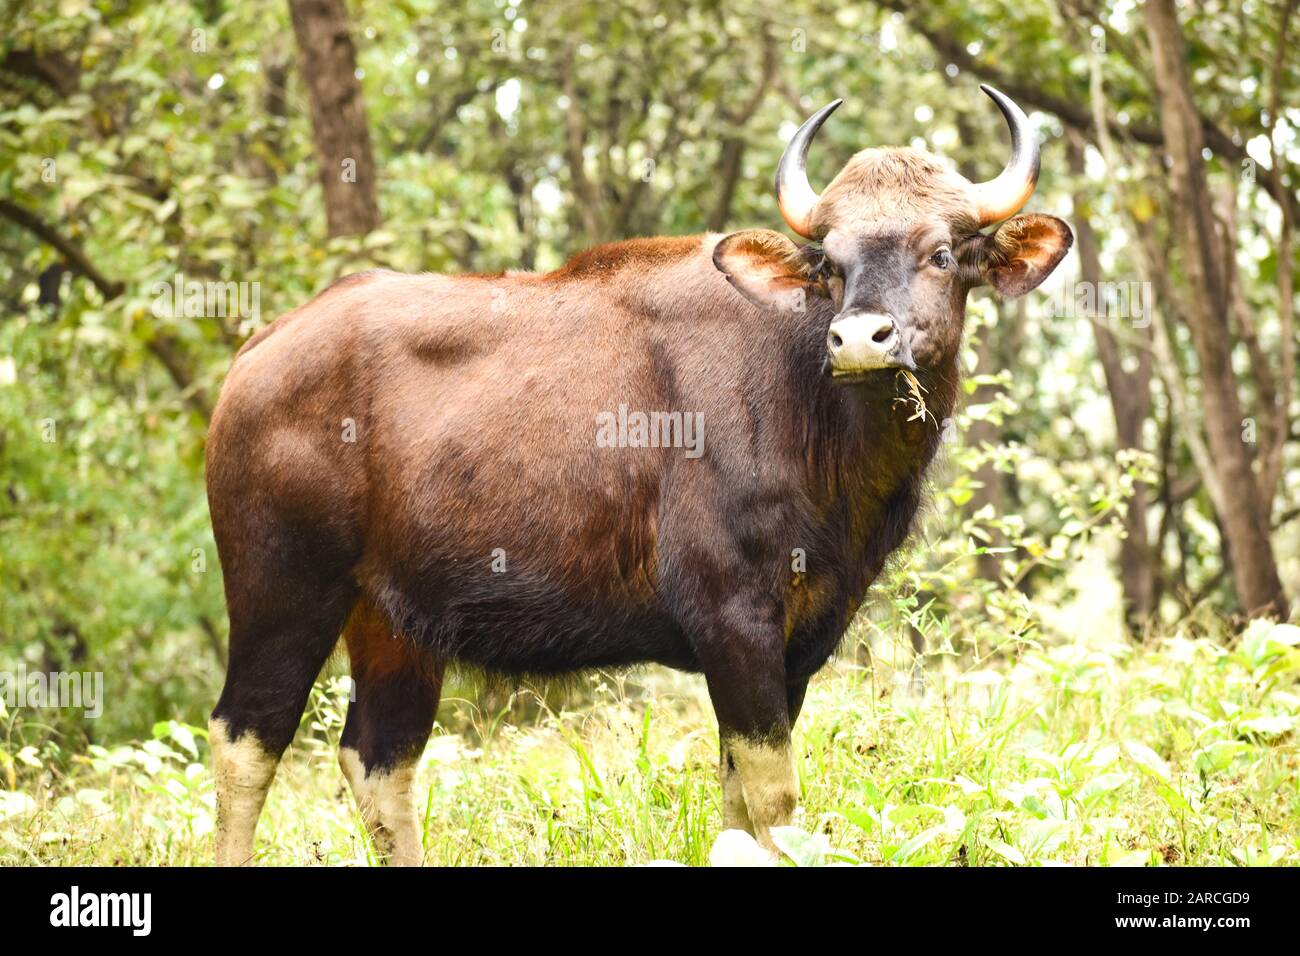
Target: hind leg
[288, 592]
[275, 657]
[388, 724]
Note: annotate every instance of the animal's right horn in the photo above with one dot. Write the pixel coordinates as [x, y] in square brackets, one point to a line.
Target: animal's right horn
[794, 196]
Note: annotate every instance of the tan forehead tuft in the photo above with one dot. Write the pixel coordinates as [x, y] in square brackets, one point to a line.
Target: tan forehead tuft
[898, 184]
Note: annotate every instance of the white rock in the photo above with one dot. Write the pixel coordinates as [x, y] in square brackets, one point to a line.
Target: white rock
[738, 848]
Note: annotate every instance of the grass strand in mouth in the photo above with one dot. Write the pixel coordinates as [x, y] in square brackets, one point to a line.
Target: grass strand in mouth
[915, 396]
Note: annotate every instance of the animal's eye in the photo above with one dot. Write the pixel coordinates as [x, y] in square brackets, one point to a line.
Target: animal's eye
[823, 270]
[942, 259]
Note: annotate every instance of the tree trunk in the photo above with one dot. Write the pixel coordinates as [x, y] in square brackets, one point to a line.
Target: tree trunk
[1254, 569]
[730, 162]
[276, 58]
[1130, 400]
[990, 358]
[995, 351]
[338, 115]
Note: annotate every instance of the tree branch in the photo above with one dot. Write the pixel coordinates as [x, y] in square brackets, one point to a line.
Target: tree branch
[71, 252]
[162, 345]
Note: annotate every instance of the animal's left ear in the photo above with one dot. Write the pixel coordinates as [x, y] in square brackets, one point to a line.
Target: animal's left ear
[1023, 252]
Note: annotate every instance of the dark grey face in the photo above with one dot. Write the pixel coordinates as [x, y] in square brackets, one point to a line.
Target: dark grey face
[888, 223]
[900, 299]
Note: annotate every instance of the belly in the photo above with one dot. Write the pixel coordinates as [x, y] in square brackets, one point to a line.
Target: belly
[522, 622]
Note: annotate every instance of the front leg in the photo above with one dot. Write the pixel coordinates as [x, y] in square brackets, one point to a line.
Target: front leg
[735, 816]
[735, 813]
[767, 781]
[743, 654]
[794, 694]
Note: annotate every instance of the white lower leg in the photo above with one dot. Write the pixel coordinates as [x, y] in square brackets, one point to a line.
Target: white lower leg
[243, 772]
[387, 803]
[734, 814]
[770, 786]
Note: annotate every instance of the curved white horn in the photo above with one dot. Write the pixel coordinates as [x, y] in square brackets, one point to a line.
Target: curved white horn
[1004, 196]
[794, 196]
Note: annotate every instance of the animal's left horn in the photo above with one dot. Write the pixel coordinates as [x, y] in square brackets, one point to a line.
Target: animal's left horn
[794, 196]
[1003, 197]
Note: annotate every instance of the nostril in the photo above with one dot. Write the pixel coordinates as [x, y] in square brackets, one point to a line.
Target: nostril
[882, 334]
[835, 340]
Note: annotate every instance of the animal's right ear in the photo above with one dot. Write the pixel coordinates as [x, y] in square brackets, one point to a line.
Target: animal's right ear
[767, 269]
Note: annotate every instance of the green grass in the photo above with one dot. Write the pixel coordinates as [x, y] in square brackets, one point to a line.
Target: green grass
[1178, 752]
